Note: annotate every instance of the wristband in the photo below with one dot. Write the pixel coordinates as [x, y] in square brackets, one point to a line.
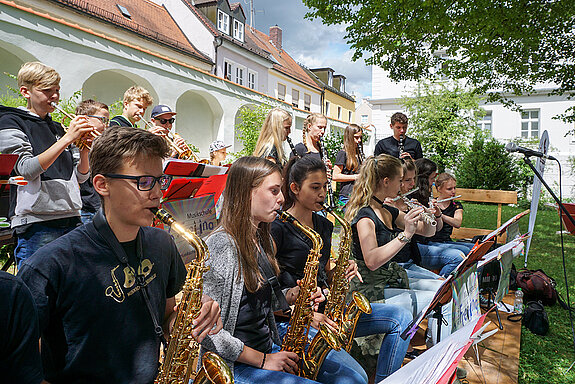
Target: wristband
[437, 217]
[263, 361]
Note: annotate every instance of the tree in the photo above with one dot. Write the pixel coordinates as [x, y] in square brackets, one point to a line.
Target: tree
[499, 46]
[248, 126]
[443, 117]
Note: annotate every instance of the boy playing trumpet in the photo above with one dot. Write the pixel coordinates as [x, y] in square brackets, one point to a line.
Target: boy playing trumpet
[49, 205]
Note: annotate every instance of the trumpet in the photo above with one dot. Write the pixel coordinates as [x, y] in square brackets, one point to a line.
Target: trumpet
[184, 154]
[81, 142]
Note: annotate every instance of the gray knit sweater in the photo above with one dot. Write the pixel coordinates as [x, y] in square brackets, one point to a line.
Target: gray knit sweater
[223, 284]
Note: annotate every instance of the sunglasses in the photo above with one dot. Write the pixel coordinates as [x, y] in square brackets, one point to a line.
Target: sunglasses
[170, 120]
[104, 120]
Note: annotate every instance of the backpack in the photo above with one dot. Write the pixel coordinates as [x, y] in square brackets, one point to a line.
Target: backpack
[537, 286]
[535, 318]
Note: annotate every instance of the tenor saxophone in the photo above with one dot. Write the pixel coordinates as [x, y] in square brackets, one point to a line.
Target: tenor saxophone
[183, 350]
[296, 337]
[335, 309]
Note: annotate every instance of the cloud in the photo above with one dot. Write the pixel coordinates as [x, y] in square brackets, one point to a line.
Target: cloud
[312, 43]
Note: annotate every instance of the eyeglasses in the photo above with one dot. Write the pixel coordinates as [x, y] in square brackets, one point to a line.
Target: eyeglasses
[170, 120]
[145, 183]
[103, 119]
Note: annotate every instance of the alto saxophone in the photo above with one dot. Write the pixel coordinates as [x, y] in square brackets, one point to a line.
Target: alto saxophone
[296, 337]
[335, 309]
[183, 350]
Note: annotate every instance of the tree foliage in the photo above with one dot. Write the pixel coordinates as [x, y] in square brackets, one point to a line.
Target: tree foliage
[248, 126]
[499, 46]
[487, 165]
[443, 117]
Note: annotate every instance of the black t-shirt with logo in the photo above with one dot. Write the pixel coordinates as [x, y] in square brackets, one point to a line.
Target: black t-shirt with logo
[94, 322]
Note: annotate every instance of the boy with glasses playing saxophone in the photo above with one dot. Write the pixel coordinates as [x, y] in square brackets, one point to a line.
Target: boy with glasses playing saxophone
[105, 291]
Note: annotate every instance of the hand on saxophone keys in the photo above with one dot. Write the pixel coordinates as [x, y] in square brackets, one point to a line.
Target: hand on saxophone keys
[209, 321]
[352, 271]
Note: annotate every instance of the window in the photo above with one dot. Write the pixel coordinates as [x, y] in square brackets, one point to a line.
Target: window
[224, 22]
[238, 30]
[252, 78]
[530, 124]
[339, 113]
[306, 102]
[364, 119]
[485, 123]
[327, 108]
[281, 91]
[228, 70]
[239, 75]
[124, 11]
[349, 116]
[295, 97]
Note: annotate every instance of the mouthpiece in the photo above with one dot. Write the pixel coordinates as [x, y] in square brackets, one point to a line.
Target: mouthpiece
[154, 210]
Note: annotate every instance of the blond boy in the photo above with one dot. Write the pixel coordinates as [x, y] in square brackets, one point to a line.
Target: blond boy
[49, 206]
[136, 100]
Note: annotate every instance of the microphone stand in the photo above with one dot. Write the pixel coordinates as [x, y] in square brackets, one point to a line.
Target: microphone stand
[527, 161]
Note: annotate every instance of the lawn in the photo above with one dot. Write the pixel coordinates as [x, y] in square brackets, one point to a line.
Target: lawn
[543, 359]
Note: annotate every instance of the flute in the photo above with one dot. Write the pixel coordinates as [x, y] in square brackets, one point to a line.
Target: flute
[401, 196]
[448, 199]
[81, 142]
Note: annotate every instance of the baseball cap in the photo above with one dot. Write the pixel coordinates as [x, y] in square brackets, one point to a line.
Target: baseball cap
[162, 110]
[217, 145]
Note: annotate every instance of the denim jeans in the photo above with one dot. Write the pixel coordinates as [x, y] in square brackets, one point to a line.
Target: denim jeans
[416, 298]
[414, 271]
[34, 238]
[390, 320]
[442, 258]
[338, 367]
[463, 246]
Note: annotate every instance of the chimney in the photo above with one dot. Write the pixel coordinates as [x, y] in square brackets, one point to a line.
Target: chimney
[276, 36]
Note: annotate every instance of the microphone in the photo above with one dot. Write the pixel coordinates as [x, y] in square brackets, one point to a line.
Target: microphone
[512, 147]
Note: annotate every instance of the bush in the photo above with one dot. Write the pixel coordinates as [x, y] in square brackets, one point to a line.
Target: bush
[487, 165]
[333, 143]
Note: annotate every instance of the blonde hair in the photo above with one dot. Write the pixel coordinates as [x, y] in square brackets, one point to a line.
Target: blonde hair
[443, 178]
[36, 74]
[372, 171]
[135, 92]
[311, 119]
[272, 134]
[351, 149]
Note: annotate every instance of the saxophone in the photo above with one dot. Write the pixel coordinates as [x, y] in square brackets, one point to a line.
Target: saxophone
[296, 337]
[183, 350]
[334, 309]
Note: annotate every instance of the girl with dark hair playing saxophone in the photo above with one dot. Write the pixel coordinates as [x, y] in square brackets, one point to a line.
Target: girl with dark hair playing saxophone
[304, 188]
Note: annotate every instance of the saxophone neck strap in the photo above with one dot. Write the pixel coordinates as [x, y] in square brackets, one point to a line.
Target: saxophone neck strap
[104, 230]
[272, 279]
[378, 201]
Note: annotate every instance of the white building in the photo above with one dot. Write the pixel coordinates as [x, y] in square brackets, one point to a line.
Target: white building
[538, 112]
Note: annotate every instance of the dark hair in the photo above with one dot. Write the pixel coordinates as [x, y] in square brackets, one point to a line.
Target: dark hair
[244, 175]
[119, 145]
[351, 148]
[399, 117]
[425, 168]
[296, 171]
[90, 107]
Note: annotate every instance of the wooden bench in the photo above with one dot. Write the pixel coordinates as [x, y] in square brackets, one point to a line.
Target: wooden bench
[484, 196]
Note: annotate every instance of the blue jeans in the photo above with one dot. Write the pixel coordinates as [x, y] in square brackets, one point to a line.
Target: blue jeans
[463, 246]
[416, 298]
[34, 238]
[338, 367]
[414, 271]
[390, 320]
[442, 258]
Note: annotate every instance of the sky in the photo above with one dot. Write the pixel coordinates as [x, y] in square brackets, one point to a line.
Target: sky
[310, 42]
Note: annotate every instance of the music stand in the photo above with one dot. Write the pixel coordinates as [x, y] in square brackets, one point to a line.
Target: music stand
[444, 294]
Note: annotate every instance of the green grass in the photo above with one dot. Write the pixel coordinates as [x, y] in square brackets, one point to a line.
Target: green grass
[543, 359]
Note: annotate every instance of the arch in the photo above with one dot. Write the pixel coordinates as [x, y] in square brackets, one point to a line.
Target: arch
[199, 119]
[11, 59]
[108, 86]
